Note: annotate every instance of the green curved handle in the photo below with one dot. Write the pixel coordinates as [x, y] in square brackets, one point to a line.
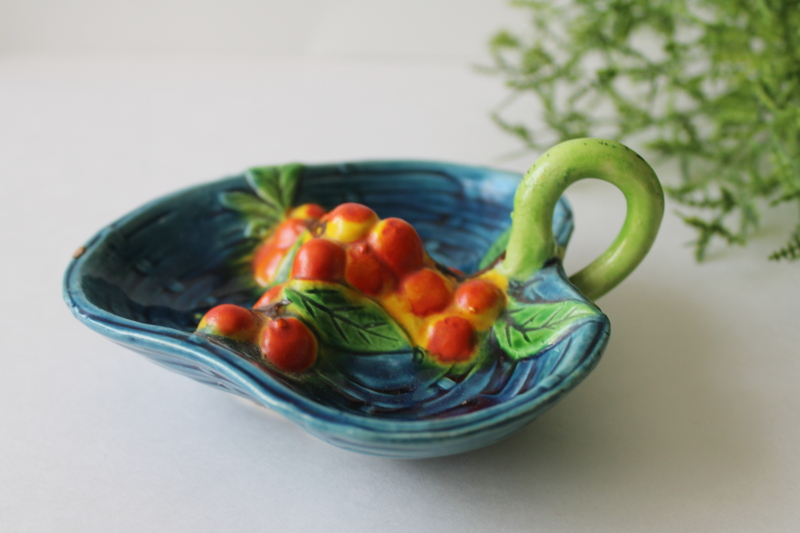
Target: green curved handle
[531, 243]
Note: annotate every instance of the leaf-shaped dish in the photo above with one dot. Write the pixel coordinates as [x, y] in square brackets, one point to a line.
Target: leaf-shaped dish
[146, 280]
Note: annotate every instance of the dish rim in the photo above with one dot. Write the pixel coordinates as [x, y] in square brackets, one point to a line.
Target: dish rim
[260, 386]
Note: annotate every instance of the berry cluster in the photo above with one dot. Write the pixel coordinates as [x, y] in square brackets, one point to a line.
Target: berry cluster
[285, 341]
[384, 260]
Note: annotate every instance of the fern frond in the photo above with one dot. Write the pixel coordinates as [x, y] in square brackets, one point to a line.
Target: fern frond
[720, 96]
[791, 251]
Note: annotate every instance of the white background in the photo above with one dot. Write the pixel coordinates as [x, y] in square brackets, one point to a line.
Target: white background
[420, 30]
[691, 422]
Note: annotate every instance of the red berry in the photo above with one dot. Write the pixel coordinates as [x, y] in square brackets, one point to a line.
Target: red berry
[288, 344]
[427, 291]
[232, 321]
[398, 245]
[286, 234]
[270, 254]
[365, 272]
[451, 340]
[269, 297]
[319, 259]
[477, 295]
[266, 263]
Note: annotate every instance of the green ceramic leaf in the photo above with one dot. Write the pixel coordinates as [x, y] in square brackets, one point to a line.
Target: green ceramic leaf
[251, 206]
[524, 330]
[275, 185]
[494, 251]
[274, 189]
[345, 320]
[288, 177]
[285, 268]
[264, 181]
[257, 229]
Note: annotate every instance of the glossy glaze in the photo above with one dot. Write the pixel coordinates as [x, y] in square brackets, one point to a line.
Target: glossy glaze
[146, 280]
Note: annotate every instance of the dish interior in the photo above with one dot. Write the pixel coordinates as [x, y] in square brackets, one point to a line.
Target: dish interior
[158, 270]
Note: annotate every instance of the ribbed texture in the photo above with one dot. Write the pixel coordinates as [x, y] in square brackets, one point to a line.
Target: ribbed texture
[146, 280]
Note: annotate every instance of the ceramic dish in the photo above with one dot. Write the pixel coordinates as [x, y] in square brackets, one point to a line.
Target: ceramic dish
[146, 280]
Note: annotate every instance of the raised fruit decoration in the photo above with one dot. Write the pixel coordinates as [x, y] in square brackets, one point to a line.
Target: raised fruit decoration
[346, 290]
[232, 321]
[352, 252]
[288, 344]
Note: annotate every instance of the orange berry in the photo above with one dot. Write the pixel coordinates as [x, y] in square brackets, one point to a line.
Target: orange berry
[319, 259]
[269, 256]
[270, 297]
[232, 321]
[352, 212]
[288, 344]
[477, 295]
[288, 232]
[365, 272]
[398, 245]
[427, 291]
[349, 222]
[307, 212]
[451, 340]
[266, 263]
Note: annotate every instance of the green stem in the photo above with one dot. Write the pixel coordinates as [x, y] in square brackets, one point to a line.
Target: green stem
[532, 244]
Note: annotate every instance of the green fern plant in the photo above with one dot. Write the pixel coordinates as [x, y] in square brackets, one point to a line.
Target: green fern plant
[711, 84]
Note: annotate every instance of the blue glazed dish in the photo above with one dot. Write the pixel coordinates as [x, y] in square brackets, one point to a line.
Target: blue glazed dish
[147, 279]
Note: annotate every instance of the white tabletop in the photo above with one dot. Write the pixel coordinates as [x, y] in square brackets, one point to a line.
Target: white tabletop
[691, 422]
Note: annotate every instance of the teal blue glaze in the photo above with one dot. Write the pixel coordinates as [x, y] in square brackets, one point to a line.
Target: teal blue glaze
[145, 281]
